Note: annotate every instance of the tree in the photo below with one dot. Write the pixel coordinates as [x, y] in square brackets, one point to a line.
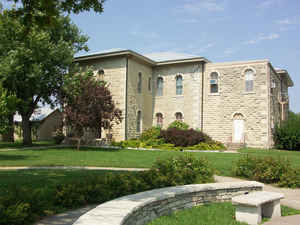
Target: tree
[33, 63]
[8, 104]
[88, 104]
[49, 10]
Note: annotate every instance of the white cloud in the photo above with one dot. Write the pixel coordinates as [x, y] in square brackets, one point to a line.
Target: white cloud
[265, 4]
[289, 21]
[285, 22]
[263, 37]
[199, 6]
[229, 51]
[188, 20]
[144, 34]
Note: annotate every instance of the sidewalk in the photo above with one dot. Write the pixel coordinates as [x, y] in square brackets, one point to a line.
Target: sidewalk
[292, 199]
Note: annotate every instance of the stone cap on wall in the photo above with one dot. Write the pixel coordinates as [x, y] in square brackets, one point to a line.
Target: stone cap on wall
[117, 211]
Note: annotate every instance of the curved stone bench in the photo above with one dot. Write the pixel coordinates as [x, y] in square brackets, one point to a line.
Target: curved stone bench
[140, 208]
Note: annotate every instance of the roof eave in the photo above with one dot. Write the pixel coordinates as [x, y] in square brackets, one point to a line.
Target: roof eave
[178, 61]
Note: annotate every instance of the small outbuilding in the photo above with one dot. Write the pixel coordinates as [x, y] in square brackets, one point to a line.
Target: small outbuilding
[49, 125]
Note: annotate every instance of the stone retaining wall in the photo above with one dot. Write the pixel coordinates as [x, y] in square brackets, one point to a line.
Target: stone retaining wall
[140, 208]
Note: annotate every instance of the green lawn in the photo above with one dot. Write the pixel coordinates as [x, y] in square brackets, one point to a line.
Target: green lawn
[44, 178]
[18, 144]
[209, 214]
[125, 158]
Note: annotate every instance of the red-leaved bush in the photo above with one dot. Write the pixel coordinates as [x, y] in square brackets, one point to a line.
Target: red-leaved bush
[184, 138]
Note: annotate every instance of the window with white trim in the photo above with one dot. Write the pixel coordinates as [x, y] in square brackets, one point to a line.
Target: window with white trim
[249, 74]
[179, 116]
[214, 82]
[159, 119]
[179, 86]
[160, 86]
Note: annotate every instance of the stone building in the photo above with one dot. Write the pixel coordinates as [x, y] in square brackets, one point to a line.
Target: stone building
[233, 102]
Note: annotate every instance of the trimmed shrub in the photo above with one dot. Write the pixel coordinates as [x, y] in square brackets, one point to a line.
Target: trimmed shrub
[290, 178]
[170, 172]
[150, 134]
[266, 170]
[287, 136]
[179, 125]
[184, 138]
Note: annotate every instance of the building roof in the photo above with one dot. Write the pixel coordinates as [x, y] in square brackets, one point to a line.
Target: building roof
[284, 73]
[154, 59]
[38, 115]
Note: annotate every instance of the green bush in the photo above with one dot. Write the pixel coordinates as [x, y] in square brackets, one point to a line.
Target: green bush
[290, 178]
[174, 171]
[24, 206]
[266, 170]
[287, 135]
[184, 138]
[150, 134]
[179, 125]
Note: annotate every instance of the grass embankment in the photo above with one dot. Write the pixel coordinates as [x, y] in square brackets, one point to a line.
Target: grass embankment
[209, 214]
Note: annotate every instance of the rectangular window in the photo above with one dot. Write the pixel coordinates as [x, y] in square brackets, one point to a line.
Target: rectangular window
[149, 84]
[139, 88]
[249, 85]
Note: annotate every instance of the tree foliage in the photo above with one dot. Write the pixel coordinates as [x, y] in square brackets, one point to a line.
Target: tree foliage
[8, 104]
[33, 63]
[88, 104]
[48, 10]
[287, 135]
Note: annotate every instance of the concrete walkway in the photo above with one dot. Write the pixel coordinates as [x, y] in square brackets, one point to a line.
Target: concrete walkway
[292, 199]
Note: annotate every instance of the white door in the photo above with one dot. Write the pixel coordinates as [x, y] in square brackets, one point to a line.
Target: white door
[238, 129]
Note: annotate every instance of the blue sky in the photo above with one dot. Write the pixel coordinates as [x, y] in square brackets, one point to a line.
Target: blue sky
[220, 30]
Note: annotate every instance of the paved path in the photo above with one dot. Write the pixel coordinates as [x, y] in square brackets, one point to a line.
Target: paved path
[69, 167]
[292, 199]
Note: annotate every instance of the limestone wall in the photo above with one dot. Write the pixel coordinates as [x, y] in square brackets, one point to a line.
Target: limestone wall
[115, 74]
[139, 101]
[220, 108]
[189, 103]
[139, 209]
[48, 126]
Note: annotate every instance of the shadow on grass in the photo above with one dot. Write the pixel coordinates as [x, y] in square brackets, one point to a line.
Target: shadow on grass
[14, 157]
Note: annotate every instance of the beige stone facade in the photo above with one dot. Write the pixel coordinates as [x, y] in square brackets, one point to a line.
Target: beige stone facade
[233, 102]
[49, 125]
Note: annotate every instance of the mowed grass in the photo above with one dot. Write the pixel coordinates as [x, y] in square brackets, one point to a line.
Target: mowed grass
[209, 214]
[18, 144]
[127, 158]
[45, 179]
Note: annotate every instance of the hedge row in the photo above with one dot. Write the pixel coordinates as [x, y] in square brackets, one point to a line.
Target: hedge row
[268, 170]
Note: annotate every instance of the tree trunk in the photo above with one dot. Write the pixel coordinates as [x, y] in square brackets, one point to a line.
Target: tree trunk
[26, 127]
[9, 136]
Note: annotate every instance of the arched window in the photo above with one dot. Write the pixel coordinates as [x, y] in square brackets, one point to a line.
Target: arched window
[179, 85]
[139, 87]
[214, 86]
[160, 86]
[249, 80]
[101, 74]
[179, 116]
[139, 122]
[159, 119]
